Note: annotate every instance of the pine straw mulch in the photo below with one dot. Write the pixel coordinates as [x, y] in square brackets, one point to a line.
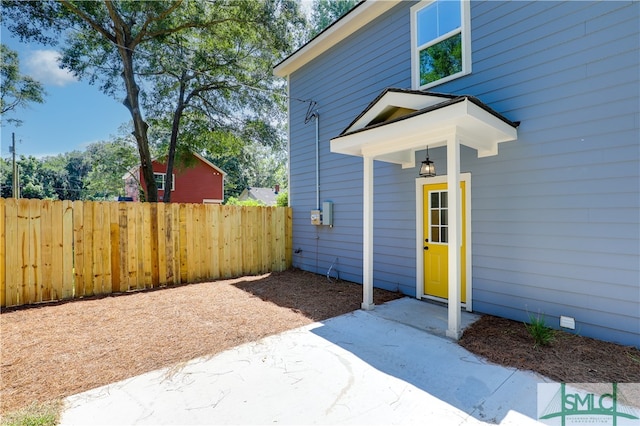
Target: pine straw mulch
[51, 351]
[568, 358]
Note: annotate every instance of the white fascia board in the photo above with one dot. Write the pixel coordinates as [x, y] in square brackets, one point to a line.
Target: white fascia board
[477, 128]
[349, 24]
[499, 130]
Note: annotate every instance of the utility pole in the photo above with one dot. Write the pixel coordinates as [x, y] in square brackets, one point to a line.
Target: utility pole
[16, 179]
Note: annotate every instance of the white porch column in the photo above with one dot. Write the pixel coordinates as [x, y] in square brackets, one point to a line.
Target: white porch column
[367, 235]
[455, 234]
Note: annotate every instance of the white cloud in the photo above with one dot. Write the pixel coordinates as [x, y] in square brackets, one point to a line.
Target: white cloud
[43, 66]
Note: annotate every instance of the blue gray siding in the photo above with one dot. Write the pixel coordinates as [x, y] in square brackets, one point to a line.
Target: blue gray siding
[556, 214]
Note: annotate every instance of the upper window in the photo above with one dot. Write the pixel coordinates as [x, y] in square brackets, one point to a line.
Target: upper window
[440, 42]
[161, 179]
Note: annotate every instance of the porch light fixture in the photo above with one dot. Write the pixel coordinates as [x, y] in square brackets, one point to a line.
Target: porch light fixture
[427, 169]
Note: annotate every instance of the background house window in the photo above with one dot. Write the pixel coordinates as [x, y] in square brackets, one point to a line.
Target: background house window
[441, 42]
[161, 179]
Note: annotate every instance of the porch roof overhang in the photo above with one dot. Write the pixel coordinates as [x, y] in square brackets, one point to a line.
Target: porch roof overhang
[400, 122]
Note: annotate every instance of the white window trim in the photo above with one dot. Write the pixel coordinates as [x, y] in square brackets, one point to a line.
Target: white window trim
[164, 180]
[465, 29]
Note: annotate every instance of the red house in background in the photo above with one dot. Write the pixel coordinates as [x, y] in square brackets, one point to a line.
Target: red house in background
[199, 183]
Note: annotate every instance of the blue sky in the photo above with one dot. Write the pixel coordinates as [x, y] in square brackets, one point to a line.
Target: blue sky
[73, 115]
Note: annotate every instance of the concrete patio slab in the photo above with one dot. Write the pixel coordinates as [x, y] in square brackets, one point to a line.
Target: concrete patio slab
[366, 367]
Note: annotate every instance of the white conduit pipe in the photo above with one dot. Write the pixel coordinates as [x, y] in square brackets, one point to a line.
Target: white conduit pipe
[317, 116]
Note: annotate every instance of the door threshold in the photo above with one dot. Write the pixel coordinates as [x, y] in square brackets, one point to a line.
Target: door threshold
[439, 301]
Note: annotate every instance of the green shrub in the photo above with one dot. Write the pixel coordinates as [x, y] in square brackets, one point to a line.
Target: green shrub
[233, 201]
[538, 329]
[282, 199]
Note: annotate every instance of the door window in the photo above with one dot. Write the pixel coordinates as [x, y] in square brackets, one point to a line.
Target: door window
[439, 214]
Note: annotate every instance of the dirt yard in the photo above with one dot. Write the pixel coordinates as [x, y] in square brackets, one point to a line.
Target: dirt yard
[52, 351]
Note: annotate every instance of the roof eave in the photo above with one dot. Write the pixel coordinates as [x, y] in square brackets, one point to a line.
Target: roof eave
[210, 164]
[357, 18]
[396, 141]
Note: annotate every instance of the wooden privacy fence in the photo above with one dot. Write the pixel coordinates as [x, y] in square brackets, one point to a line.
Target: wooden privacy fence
[55, 250]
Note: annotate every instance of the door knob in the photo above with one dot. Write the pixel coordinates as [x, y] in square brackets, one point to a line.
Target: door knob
[426, 247]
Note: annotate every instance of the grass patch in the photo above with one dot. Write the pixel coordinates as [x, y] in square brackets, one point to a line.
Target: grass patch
[538, 329]
[36, 414]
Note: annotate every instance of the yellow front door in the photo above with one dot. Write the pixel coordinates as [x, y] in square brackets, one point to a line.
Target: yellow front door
[436, 238]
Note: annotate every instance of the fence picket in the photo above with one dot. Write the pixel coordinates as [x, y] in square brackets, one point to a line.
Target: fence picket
[87, 241]
[236, 240]
[175, 241]
[78, 255]
[278, 236]
[146, 243]
[155, 271]
[68, 267]
[159, 275]
[12, 268]
[168, 237]
[183, 243]
[97, 266]
[114, 247]
[55, 240]
[124, 250]
[46, 224]
[214, 260]
[132, 251]
[225, 242]
[3, 238]
[288, 241]
[24, 281]
[206, 233]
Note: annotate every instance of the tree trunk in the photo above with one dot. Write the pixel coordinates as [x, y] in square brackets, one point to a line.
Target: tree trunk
[139, 125]
[132, 102]
[173, 143]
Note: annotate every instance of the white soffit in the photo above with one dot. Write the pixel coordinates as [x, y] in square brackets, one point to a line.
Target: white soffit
[357, 18]
[396, 141]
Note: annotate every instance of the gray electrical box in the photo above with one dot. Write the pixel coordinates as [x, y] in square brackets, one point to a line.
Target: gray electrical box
[327, 213]
[316, 217]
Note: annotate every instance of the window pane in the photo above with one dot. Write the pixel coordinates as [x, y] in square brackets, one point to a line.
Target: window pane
[435, 200]
[448, 16]
[444, 235]
[435, 217]
[159, 177]
[441, 59]
[435, 234]
[427, 24]
[444, 214]
[445, 199]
